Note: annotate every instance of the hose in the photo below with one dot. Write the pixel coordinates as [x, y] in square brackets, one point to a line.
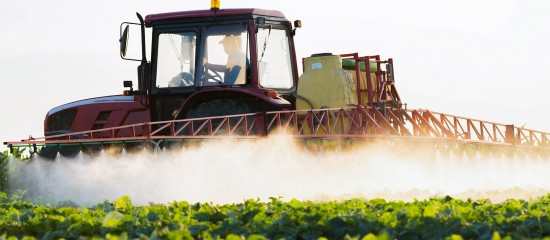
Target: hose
[305, 100]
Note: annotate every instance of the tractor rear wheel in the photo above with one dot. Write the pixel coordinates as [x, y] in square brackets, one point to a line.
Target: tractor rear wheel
[218, 107]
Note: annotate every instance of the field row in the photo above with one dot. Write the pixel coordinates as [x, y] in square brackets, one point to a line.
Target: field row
[355, 218]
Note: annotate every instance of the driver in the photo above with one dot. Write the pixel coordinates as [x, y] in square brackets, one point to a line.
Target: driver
[234, 72]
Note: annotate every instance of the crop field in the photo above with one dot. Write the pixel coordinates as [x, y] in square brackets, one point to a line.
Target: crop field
[356, 218]
[351, 219]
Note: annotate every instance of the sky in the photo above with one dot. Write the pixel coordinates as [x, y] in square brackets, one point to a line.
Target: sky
[487, 60]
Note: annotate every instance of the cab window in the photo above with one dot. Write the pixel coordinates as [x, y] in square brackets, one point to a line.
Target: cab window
[274, 58]
[176, 60]
[226, 55]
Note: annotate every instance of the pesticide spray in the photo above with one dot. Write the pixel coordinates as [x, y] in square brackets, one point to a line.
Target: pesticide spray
[229, 171]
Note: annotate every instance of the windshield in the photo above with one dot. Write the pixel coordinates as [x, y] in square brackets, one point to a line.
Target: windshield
[176, 60]
[274, 58]
[226, 55]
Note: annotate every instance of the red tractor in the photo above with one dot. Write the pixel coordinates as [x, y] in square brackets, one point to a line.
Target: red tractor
[203, 63]
[240, 64]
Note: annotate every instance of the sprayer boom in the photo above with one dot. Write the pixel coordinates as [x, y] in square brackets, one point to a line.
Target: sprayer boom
[355, 123]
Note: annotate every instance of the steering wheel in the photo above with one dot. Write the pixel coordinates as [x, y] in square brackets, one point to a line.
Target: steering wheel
[211, 74]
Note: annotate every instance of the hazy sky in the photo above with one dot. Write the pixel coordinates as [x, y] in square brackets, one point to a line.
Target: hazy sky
[487, 60]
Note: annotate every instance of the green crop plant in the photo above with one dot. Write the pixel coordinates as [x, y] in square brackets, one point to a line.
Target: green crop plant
[436, 218]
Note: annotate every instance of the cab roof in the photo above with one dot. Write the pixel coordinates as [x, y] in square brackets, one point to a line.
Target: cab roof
[209, 13]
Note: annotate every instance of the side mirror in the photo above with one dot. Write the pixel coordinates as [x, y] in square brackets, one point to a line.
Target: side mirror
[129, 46]
[124, 41]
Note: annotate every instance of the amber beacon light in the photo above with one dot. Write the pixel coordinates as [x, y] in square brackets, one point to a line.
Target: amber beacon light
[215, 5]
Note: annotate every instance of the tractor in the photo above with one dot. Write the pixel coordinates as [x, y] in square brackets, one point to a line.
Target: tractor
[228, 72]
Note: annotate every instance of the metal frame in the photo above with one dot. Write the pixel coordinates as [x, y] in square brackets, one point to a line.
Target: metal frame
[384, 82]
[338, 123]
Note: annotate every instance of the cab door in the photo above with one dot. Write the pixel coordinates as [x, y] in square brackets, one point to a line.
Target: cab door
[174, 71]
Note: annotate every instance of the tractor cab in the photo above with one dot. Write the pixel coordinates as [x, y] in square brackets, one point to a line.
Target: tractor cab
[216, 62]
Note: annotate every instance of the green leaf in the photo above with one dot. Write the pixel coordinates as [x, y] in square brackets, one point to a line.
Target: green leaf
[3, 196]
[14, 214]
[389, 219]
[259, 217]
[431, 210]
[296, 204]
[378, 201]
[233, 237]
[123, 236]
[413, 211]
[370, 236]
[179, 234]
[113, 220]
[124, 204]
[454, 237]
[256, 237]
